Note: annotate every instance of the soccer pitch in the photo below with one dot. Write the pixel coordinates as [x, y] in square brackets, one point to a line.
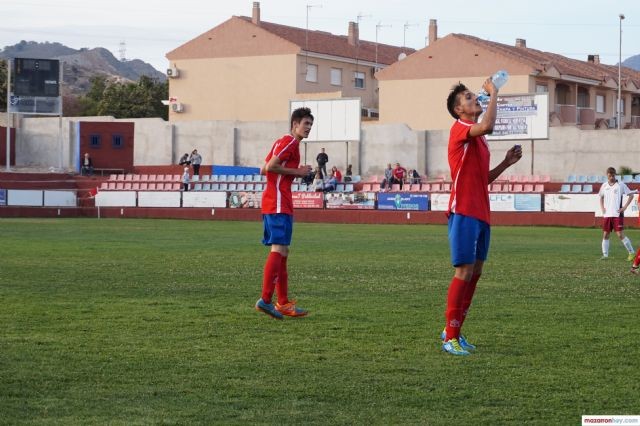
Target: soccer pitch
[120, 321]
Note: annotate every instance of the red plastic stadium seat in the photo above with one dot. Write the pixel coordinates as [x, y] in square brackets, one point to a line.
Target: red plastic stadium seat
[113, 177]
[112, 185]
[128, 177]
[135, 186]
[446, 187]
[516, 187]
[104, 185]
[425, 187]
[119, 185]
[136, 178]
[436, 187]
[144, 186]
[528, 187]
[366, 187]
[127, 186]
[151, 178]
[539, 187]
[152, 186]
[415, 187]
[119, 177]
[496, 187]
[375, 187]
[395, 187]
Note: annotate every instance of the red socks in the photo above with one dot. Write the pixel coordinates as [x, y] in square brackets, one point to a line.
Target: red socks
[271, 271]
[275, 278]
[282, 285]
[469, 289]
[453, 314]
[458, 302]
[636, 261]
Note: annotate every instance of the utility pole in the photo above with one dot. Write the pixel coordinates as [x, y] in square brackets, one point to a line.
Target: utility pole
[378, 26]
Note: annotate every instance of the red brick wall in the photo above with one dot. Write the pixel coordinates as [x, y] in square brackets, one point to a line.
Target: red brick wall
[106, 155]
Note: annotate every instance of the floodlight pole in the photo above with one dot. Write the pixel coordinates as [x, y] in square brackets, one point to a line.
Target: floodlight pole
[621, 16]
[8, 150]
[60, 144]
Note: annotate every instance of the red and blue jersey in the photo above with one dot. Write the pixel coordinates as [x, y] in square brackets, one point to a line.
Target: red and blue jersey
[277, 198]
[469, 163]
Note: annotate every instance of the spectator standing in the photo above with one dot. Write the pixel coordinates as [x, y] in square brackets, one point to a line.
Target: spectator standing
[388, 176]
[399, 174]
[86, 168]
[322, 160]
[610, 194]
[469, 212]
[184, 160]
[414, 177]
[282, 166]
[196, 160]
[185, 179]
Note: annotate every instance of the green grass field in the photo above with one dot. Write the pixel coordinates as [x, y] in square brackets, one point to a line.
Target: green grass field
[152, 322]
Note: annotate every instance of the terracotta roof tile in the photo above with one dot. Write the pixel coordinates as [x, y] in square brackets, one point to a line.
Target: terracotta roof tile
[330, 44]
[542, 60]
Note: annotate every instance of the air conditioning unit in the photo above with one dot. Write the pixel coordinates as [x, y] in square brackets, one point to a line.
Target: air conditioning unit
[173, 72]
[370, 112]
[177, 107]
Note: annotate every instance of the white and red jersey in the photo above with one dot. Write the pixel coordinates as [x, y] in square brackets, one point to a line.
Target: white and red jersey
[277, 198]
[612, 197]
[469, 163]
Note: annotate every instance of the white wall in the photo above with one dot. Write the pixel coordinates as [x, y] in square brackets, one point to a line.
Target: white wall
[569, 150]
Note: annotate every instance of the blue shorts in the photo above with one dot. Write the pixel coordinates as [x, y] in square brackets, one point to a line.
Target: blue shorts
[278, 229]
[468, 239]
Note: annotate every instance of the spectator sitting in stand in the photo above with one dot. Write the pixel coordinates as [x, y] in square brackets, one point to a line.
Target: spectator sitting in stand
[330, 184]
[348, 174]
[388, 176]
[318, 180]
[336, 173]
[184, 160]
[413, 176]
[399, 174]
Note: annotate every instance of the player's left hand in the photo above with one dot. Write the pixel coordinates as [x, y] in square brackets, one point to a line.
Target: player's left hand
[514, 154]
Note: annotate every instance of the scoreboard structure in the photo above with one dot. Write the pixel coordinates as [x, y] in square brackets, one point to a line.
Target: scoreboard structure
[36, 87]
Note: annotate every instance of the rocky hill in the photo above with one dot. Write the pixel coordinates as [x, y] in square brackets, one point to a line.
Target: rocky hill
[632, 62]
[80, 65]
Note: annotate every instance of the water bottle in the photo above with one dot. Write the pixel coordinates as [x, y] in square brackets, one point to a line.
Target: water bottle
[498, 79]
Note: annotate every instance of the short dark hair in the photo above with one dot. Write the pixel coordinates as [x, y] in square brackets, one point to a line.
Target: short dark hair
[611, 170]
[298, 114]
[452, 99]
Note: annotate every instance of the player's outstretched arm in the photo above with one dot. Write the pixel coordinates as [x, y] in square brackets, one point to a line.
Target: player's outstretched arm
[513, 156]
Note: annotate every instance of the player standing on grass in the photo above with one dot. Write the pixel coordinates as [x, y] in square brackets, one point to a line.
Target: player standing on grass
[469, 230]
[611, 193]
[282, 165]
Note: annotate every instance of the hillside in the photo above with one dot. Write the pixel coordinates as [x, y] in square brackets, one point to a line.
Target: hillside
[82, 64]
[632, 62]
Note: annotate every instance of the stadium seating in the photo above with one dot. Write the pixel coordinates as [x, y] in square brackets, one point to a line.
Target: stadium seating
[516, 187]
[587, 188]
[195, 178]
[571, 178]
[593, 179]
[581, 179]
[395, 187]
[576, 188]
[495, 187]
[637, 178]
[539, 187]
[446, 187]
[627, 178]
[565, 188]
[366, 187]
[527, 187]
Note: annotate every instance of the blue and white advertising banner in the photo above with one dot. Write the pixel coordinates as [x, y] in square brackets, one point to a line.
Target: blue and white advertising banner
[3, 197]
[509, 202]
[403, 201]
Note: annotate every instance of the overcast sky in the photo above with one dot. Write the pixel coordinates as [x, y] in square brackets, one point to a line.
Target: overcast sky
[150, 29]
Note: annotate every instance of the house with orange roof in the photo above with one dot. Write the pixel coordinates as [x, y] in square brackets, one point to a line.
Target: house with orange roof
[247, 69]
[580, 93]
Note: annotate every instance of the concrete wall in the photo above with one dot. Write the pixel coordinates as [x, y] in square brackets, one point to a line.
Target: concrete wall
[569, 150]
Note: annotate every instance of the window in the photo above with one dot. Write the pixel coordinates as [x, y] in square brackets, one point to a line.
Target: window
[542, 88]
[600, 103]
[358, 80]
[583, 97]
[312, 73]
[94, 141]
[336, 76]
[117, 141]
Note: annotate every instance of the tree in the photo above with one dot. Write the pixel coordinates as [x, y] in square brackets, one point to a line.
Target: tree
[3, 85]
[126, 100]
